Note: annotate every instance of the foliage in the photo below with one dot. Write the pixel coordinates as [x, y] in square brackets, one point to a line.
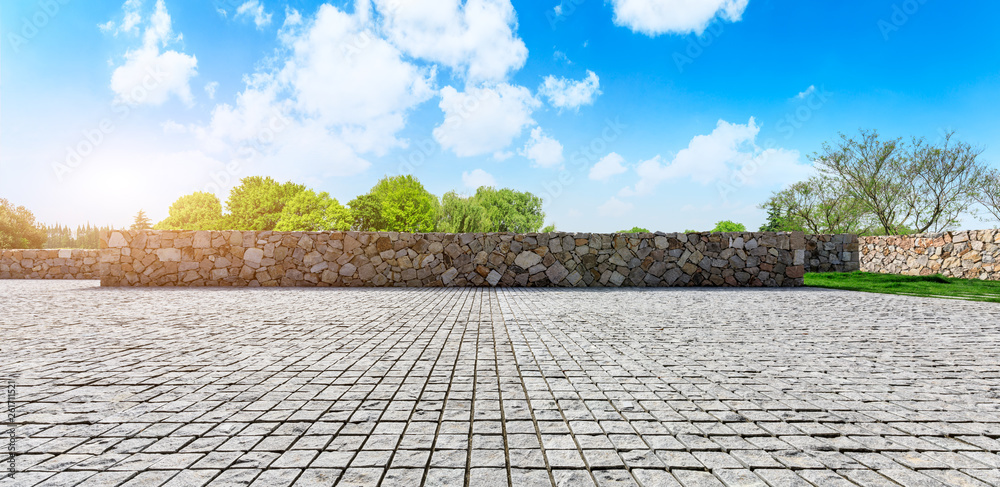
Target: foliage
[396, 204]
[511, 211]
[729, 226]
[493, 210]
[635, 230]
[366, 213]
[462, 215]
[901, 186]
[141, 221]
[549, 228]
[18, 229]
[818, 205]
[257, 202]
[988, 194]
[311, 212]
[691, 231]
[196, 211]
[84, 237]
[935, 286]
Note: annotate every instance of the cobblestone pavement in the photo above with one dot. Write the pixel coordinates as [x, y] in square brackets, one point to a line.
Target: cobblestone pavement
[223, 387]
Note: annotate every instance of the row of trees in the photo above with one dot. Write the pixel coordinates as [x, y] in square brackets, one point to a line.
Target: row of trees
[871, 185]
[64, 237]
[399, 203]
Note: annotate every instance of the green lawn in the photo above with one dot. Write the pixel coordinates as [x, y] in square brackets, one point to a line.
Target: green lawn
[935, 286]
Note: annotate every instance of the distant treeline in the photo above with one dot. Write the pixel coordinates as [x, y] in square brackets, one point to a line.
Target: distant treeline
[84, 237]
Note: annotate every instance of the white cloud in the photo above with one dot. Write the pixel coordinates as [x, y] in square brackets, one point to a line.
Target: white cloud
[614, 207]
[477, 39]
[149, 76]
[542, 149]
[566, 93]
[340, 92]
[130, 19]
[655, 17]
[254, 10]
[478, 177]
[210, 89]
[810, 90]
[483, 120]
[728, 154]
[609, 165]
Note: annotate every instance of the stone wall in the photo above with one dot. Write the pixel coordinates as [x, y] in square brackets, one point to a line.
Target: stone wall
[233, 258]
[832, 253]
[973, 254]
[49, 264]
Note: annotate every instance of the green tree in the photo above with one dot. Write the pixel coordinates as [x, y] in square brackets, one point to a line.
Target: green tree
[396, 204]
[549, 228]
[312, 212]
[196, 211]
[18, 229]
[257, 202]
[511, 211]
[820, 204]
[635, 230]
[729, 226]
[988, 194]
[141, 221]
[462, 215]
[902, 186]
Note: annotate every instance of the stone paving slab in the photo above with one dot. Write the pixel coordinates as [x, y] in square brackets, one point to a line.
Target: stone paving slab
[507, 387]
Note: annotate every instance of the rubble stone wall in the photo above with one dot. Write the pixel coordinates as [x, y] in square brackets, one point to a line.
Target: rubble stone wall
[973, 254]
[49, 264]
[235, 258]
[832, 253]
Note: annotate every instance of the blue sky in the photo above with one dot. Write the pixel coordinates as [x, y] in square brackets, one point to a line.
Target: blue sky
[666, 114]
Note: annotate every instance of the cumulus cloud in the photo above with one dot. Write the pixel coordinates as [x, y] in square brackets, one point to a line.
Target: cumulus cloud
[566, 93]
[477, 178]
[149, 76]
[483, 120]
[254, 10]
[615, 207]
[476, 39]
[729, 152]
[609, 165]
[655, 17]
[543, 150]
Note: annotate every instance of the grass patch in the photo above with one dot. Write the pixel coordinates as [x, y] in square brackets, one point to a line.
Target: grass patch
[936, 286]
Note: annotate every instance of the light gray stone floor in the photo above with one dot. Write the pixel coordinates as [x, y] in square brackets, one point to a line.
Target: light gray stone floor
[693, 387]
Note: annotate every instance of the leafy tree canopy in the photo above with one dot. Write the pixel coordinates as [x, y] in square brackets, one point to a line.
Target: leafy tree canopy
[18, 229]
[312, 212]
[196, 211]
[906, 186]
[510, 211]
[396, 204]
[729, 226]
[462, 215]
[635, 230]
[257, 202]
